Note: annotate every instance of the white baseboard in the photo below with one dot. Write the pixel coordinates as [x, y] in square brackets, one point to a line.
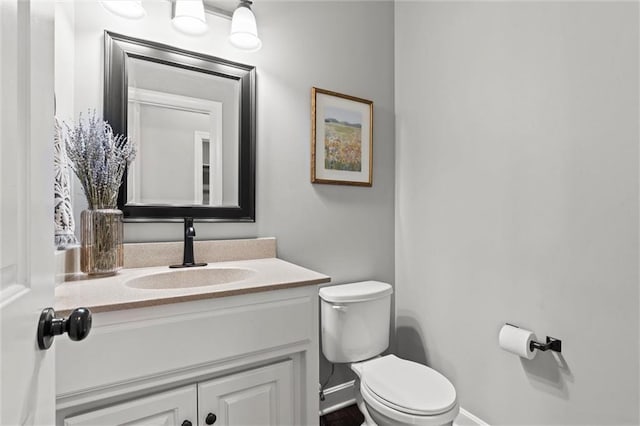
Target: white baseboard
[465, 418]
[337, 397]
[343, 395]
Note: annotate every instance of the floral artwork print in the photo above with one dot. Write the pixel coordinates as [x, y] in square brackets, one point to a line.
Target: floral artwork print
[343, 139]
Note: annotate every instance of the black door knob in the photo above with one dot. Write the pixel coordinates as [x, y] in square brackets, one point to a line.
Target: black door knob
[211, 419]
[77, 325]
[186, 423]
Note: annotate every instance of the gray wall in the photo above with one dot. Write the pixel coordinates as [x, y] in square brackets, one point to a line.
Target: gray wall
[345, 232]
[517, 200]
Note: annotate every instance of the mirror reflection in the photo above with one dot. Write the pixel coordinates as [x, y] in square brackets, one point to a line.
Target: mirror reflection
[184, 123]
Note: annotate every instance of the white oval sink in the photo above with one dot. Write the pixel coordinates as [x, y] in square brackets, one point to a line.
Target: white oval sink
[186, 278]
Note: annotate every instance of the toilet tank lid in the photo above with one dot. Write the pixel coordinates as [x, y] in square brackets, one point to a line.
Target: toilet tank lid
[356, 292]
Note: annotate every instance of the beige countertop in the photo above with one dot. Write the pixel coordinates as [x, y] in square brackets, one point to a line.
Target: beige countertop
[102, 294]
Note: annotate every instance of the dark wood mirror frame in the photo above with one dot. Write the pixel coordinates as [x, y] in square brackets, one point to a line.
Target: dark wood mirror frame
[117, 49]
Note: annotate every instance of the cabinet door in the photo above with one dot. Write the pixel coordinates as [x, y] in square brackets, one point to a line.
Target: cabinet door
[168, 408]
[262, 396]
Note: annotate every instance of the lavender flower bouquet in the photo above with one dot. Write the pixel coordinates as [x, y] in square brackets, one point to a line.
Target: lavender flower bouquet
[99, 158]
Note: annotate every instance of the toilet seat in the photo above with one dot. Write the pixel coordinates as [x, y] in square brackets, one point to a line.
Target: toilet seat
[400, 418]
[407, 391]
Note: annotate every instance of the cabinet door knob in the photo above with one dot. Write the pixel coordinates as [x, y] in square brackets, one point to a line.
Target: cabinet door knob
[211, 419]
[77, 325]
[186, 423]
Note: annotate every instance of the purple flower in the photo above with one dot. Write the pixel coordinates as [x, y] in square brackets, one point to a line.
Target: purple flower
[99, 158]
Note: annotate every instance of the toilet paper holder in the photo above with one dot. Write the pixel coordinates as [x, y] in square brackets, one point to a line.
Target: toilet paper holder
[552, 344]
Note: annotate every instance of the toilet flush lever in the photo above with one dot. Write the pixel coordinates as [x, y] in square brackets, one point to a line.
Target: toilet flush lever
[340, 308]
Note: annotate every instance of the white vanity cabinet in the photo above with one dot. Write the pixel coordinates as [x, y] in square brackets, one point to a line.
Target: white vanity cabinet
[262, 396]
[169, 408]
[247, 359]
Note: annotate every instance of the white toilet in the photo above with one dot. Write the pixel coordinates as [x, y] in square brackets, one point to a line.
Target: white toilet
[390, 390]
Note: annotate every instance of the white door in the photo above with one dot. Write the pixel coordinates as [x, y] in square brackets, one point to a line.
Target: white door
[176, 407]
[27, 391]
[260, 397]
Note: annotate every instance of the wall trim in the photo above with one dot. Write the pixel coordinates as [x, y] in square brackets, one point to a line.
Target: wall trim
[465, 418]
[343, 395]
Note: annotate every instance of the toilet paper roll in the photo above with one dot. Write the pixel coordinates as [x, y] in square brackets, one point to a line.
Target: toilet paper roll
[517, 341]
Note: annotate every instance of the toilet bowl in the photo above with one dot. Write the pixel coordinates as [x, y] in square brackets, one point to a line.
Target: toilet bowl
[395, 391]
[355, 322]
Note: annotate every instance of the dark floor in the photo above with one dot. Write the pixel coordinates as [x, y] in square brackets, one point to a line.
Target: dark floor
[347, 416]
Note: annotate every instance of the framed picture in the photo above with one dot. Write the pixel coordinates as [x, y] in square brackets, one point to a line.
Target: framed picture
[341, 139]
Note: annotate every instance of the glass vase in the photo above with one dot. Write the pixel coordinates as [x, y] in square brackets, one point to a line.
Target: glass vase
[101, 235]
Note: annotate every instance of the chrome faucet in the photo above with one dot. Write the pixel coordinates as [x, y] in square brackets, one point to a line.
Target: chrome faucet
[187, 256]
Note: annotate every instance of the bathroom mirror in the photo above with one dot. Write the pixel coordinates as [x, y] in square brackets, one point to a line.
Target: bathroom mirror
[192, 118]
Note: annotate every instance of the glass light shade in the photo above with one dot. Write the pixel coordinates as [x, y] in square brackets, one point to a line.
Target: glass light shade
[188, 16]
[131, 9]
[244, 32]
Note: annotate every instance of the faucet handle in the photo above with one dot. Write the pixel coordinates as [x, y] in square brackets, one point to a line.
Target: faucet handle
[189, 230]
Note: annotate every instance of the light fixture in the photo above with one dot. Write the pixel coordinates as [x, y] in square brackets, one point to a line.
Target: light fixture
[131, 9]
[244, 32]
[188, 16]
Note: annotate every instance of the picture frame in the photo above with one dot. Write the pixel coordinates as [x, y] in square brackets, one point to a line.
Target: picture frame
[341, 139]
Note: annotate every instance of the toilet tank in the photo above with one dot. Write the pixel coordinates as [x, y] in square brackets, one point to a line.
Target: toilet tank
[355, 320]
